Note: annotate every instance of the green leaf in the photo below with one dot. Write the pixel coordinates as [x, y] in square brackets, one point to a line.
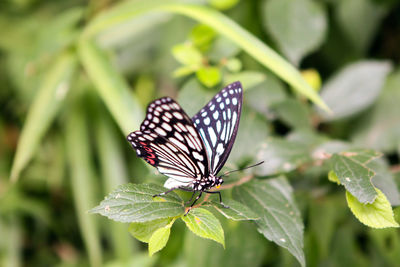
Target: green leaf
[45, 106]
[379, 128]
[222, 49]
[356, 14]
[209, 76]
[293, 113]
[354, 88]
[313, 78]
[233, 65]
[252, 131]
[297, 26]
[262, 96]
[236, 211]
[135, 203]
[244, 247]
[187, 54]
[379, 214]
[142, 231]
[128, 10]
[183, 71]
[352, 170]
[202, 36]
[223, 4]
[248, 79]
[385, 180]
[159, 239]
[280, 219]
[281, 156]
[333, 177]
[111, 86]
[190, 90]
[204, 224]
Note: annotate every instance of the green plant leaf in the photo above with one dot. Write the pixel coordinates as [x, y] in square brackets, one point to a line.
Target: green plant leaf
[385, 181]
[236, 211]
[298, 26]
[234, 65]
[159, 239]
[281, 156]
[248, 79]
[204, 224]
[244, 247]
[293, 113]
[354, 88]
[45, 106]
[202, 36]
[265, 94]
[209, 76]
[142, 231]
[111, 86]
[222, 49]
[126, 11]
[333, 177]
[280, 219]
[223, 4]
[379, 128]
[352, 170]
[187, 54]
[252, 131]
[378, 214]
[356, 14]
[135, 203]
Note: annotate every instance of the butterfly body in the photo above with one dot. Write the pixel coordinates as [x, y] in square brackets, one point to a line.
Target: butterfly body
[190, 152]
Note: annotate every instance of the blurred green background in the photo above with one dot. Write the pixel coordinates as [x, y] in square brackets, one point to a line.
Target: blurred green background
[76, 76]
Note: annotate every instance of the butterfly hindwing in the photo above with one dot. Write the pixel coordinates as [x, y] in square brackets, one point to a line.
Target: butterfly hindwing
[218, 122]
[169, 141]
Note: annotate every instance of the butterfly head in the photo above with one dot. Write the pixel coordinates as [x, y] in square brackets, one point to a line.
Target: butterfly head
[218, 182]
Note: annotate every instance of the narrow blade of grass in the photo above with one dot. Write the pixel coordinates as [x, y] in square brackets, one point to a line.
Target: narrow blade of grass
[111, 86]
[82, 180]
[45, 106]
[114, 173]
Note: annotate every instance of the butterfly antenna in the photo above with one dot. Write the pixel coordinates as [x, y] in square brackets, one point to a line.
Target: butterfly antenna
[248, 167]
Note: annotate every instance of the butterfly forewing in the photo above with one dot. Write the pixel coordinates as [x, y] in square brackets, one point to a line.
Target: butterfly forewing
[218, 122]
[169, 141]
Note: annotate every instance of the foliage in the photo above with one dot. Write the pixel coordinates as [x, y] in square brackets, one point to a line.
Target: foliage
[76, 78]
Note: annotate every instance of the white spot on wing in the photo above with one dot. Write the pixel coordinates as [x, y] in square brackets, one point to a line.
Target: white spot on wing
[197, 155]
[207, 121]
[166, 126]
[178, 115]
[218, 126]
[215, 115]
[212, 135]
[160, 131]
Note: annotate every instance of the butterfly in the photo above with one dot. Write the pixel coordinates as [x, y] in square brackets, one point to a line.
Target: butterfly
[190, 152]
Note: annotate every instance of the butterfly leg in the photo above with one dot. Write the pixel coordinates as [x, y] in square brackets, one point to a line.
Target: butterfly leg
[191, 198]
[220, 198]
[166, 192]
[172, 189]
[194, 202]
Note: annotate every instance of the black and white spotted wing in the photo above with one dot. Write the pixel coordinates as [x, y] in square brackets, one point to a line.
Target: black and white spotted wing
[169, 141]
[218, 122]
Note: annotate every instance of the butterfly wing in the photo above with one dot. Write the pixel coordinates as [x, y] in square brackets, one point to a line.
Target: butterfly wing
[218, 123]
[169, 141]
